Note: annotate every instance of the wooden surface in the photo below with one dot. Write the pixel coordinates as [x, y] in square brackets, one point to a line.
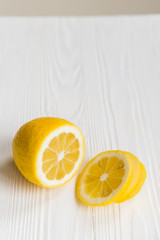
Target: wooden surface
[102, 74]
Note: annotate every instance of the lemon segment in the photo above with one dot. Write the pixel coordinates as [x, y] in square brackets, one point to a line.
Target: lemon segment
[105, 178]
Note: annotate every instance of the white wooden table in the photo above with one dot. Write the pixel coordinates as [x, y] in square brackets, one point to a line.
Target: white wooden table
[103, 74]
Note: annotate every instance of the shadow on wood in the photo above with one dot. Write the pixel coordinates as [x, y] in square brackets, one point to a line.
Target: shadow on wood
[10, 175]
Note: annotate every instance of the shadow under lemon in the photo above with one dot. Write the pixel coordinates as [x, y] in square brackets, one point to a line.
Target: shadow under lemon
[16, 184]
[13, 180]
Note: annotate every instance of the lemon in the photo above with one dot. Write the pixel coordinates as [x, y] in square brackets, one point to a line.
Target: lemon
[48, 151]
[135, 180]
[105, 178]
[138, 185]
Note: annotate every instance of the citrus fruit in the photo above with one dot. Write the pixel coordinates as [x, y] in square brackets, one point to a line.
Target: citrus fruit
[48, 151]
[105, 178]
[136, 176]
[139, 183]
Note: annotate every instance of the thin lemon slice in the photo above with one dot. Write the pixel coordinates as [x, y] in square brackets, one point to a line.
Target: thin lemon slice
[136, 176]
[105, 178]
[139, 183]
[48, 151]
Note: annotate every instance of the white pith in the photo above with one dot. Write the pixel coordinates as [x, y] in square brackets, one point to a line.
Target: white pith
[99, 200]
[64, 129]
[60, 156]
[103, 177]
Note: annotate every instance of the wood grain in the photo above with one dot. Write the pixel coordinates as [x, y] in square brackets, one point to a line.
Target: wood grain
[101, 73]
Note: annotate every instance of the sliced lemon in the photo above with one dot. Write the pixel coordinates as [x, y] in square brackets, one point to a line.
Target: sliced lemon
[105, 178]
[136, 176]
[139, 183]
[48, 151]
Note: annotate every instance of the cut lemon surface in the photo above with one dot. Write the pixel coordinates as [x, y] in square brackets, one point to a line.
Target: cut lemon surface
[48, 151]
[135, 180]
[105, 178]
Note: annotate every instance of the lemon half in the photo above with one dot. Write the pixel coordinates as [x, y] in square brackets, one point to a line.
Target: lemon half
[48, 151]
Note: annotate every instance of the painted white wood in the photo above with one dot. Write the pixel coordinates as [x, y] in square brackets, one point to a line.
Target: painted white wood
[101, 73]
